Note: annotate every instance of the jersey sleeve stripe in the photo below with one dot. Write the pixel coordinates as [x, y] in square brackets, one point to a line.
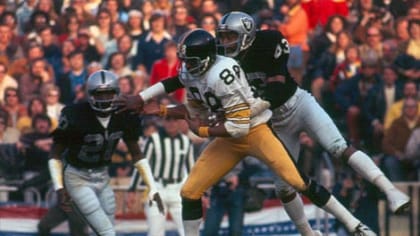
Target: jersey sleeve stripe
[240, 114]
[237, 106]
[240, 122]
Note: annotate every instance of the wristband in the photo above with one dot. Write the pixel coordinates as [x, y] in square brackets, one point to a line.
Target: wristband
[143, 168]
[163, 111]
[56, 172]
[203, 131]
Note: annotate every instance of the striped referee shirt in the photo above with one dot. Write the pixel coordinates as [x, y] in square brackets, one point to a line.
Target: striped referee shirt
[170, 158]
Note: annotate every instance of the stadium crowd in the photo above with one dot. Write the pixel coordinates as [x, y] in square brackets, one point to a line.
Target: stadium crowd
[359, 58]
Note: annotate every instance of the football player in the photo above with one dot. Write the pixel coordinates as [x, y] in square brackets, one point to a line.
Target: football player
[87, 136]
[218, 84]
[263, 55]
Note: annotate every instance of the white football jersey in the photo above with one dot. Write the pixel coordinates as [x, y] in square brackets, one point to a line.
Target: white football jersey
[224, 89]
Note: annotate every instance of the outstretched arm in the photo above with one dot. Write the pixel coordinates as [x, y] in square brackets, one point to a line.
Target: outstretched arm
[136, 102]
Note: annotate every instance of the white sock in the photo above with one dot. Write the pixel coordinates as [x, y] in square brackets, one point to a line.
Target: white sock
[364, 166]
[296, 213]
[335, 208]
[192, 227]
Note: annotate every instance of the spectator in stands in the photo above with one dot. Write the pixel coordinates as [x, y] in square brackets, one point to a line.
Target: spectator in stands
[125, 46]
[100, 31]
[372, 49]
[47, 6]
[23, 14]
[51, 96]
[37, 21]
[412, 152]
[140, 80]
[134, 24]
[210, 7]
[408, 62]
[401, 30]
[77, 7]
[118, 29]
[7, 134]
[151, 47]
[349, 68]
[378, 102]
[36, 106]
[90, 52]
[31, 84]
[368, 16]
[147, 8]
[67, 47]
[320, 13]
[323, 67]
[10, 50]
[395, 141]
[93, 67]
[167, 67]
[70, 28]
[74, 79]
[163, 6]
[118, 65]
[410, 90]
[33, 51]
[37, 145]
[295, 29]
[52, 52]
[6, 81]
[351, 94]
[361, 197]
[113, 6]
[209, 23]
[179, 23]
[328, 37]
[13, 106]
[126, 85]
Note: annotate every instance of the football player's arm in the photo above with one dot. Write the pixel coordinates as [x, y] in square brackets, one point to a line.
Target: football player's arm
[143, 167]
[55, 165]
[136, 102]
[61, 136]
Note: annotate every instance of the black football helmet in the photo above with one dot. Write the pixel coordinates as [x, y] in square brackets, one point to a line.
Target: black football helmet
[197, 51]
[102, 88]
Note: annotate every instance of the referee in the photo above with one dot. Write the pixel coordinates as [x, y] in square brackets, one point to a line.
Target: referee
[171, 156]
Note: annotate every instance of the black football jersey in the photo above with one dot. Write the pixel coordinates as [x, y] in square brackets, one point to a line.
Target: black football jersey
[267, 57]
[89, 144]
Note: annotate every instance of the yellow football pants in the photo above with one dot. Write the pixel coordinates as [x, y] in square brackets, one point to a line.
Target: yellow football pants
[222, 154]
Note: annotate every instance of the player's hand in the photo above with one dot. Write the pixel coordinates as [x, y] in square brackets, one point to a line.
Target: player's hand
[133, 103]
[64, 200]
[194, 124]
[151, 108]
[156, 198]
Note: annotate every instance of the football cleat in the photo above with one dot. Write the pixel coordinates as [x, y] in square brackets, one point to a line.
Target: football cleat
[363, 230]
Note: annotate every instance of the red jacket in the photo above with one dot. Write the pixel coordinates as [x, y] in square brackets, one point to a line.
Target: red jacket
[320, 10]
[161, 71]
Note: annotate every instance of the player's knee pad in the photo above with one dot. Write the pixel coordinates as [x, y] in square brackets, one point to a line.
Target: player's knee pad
[317, 193]
[189, 192]
[283, 190]
[191, 209]
[108, 203]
